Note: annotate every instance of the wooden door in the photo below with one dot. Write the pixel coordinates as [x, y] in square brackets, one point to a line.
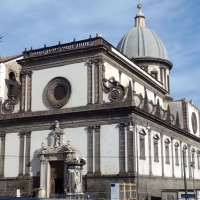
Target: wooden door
[57, 177]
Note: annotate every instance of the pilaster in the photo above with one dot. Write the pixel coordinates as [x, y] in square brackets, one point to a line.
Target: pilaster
[150, 156]
[162, 156]
[189, 161]
[27, 158]
[130, 152]
[172, 153]
[90, 149]
[29, 90]
[21, 154]
[122, 165]
[2, 155]
[97, 129]
[89, 83]
[23, 90]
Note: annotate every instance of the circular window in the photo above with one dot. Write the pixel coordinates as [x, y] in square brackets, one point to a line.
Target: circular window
[194, 122]
[57, 92]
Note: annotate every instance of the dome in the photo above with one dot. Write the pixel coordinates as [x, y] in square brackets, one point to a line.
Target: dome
[141, 41]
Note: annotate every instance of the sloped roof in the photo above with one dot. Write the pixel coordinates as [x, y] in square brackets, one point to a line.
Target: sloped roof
[8, 58]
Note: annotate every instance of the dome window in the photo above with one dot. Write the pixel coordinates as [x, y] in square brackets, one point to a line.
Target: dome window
[154, 75]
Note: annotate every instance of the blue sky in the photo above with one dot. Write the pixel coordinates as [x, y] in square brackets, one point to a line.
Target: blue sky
[26, 23]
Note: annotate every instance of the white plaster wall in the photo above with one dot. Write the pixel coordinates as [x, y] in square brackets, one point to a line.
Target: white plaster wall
[139, 89]
[167, 167]
[177, 169]
[150, 95]
[156, 166]
[135, 66]
[174, 107]
[78, 141]
[110, 71]
[143, 164]
[11, 167]
[37, 138]
[191, 109]
[160, 101]
[2, 80]
[125, 80]
[109, 149]
[76, 74]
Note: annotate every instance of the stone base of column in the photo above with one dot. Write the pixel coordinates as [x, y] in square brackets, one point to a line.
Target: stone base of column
[97, 174]
[1, 176]
[90, 174]
[131, 173]
[27, 176]
[122, 173]
[20, 176]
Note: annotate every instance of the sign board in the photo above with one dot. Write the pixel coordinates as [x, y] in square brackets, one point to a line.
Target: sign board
[18, 194]
[187, 195]
[114, 191]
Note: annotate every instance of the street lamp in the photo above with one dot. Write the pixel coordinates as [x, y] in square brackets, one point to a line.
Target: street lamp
[193, 165]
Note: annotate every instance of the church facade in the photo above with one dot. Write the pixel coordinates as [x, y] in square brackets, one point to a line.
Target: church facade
[107, 109]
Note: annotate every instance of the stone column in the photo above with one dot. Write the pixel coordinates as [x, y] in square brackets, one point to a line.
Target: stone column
[189, 161]
[172, 153]
[89, 83]
[29, 90]
[2, 155]
[134, 148]
[97, 150]
[21, 154]
[101, 71]
[90, 149]
[162, 156]
[28, 149]
[181, 154]
[23, 90]
[130, 148]
[150, 157]
[96, 81]
[122, 165]
[42, 176]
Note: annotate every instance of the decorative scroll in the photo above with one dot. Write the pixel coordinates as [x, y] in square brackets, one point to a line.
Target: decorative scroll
[8, 106]
[116, 90]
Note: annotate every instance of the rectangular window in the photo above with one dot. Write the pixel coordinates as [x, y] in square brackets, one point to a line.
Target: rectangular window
[154, 75]
[167, 153]
[193, 161]
[176, 156]
[198, 160]
[156, 150]
[142, 147]
[185, 158]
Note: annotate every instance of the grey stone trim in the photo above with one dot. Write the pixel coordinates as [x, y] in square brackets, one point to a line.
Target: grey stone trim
[130, 152]
[29, 90]
[172, 152]
[90, 149]
[97, 129]
[2, 155]
[189, 161]
[96, 83]
[23, 91]
[185, 116]
[165, 85]
[122, 161]
[21, 154]
[89, 74]
[162, 155]
[27, 152]
[150, 156]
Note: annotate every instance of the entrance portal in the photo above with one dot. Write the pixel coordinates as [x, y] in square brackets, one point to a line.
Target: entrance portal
[57, 177]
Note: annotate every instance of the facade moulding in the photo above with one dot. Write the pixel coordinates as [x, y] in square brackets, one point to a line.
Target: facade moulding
[107, 108]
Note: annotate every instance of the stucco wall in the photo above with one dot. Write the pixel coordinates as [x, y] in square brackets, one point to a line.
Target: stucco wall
[11, 167]
[76, 74]
[109, 149]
